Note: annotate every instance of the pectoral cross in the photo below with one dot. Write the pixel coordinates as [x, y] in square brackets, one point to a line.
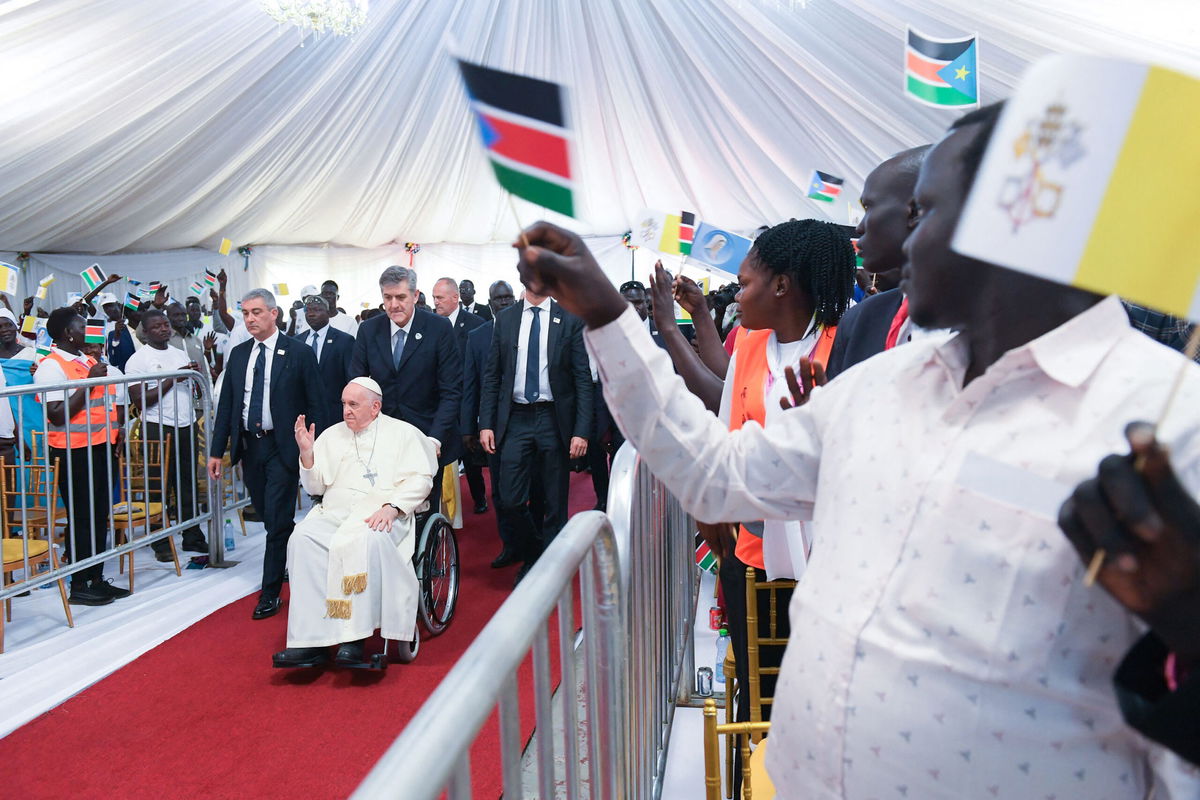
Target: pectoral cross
[370, 475]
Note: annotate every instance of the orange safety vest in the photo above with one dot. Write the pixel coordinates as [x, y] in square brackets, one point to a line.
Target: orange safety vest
[96, 423]
[749, 403]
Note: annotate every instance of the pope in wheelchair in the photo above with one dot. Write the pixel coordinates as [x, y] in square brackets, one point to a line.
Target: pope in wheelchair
[350, 560]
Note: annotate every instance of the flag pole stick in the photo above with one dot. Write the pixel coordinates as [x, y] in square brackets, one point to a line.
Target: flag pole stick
[520, 227]
[1189, 353]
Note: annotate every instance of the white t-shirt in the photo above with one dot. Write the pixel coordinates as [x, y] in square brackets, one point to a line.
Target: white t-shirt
[174, 408]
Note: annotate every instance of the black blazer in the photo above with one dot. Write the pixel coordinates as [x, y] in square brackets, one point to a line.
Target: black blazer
[426, 390]
[463, 325]
[570, 376]
[481, 310]
[479, 345]
[295, 390]
[862, 331]
[334, 368]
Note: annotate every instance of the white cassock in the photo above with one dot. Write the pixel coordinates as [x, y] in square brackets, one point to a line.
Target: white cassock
[347, 580]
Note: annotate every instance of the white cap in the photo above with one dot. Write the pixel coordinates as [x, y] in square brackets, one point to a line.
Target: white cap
[307, 290]
[104, 298]
[369, 384]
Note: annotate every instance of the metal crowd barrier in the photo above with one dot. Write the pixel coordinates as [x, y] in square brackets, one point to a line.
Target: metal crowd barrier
[50, 509]
[638, 588]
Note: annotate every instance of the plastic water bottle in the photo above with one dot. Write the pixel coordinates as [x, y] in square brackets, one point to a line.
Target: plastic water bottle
[230, 542]
[722, 649]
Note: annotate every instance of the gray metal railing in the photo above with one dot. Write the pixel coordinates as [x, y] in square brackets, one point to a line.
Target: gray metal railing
[51, 507]
[432, 754]
[638, 589]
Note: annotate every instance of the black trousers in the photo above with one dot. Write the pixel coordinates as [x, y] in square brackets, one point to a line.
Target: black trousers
[597, 455]
[474, 471]
[532, 446]
[733, 585]
[272, 484]
[536, 504]
[181, 488]
[88, 498]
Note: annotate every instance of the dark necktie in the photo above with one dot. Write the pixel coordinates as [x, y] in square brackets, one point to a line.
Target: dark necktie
[398, 347]
[254, 416]
[313, 344]
[533, 361]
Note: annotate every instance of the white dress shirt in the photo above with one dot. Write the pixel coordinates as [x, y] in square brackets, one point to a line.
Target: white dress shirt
[942, 642]
[174, 407]
[320, 334]
[270, 342]
[453, 317]
[393, 327]
[544, 393]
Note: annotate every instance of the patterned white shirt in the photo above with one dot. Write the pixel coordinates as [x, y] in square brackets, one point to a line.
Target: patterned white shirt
[942, 645]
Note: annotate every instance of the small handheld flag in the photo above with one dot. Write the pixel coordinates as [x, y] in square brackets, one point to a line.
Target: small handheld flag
[281, 289]
[29, 324]
[93, 277]
[705, 558]
[43, 350]
[824, 187]
[941, 72]
[671, 234]
[94, 332]
[210, 279]
[1088, 152]
[226, 246]
[720, 248]
[43, 288]
[132, 302]
[522, 123]
[8, 278]
[197, 288]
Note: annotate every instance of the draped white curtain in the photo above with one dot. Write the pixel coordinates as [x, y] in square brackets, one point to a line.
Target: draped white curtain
[141, 126]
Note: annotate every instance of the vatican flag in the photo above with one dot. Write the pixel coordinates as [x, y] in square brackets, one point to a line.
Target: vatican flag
[1089, 179]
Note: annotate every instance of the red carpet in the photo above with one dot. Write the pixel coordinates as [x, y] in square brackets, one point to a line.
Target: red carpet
[204, 715]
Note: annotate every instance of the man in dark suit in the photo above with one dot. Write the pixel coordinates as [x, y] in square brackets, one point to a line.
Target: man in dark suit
[269, 381]
[413, 354]
[466, 289]
[535, 410]
[446, 304]
[880, 321]
[334, 350]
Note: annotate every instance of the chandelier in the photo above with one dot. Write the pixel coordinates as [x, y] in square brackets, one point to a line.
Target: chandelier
[339, 17]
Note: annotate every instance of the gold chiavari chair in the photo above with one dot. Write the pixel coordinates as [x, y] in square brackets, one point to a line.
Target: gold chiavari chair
[147, 478]
[755, 784]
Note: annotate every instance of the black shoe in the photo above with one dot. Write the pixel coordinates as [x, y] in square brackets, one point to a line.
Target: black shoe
[301, 657]
[505, 559]
[521, 573]
[267, 607]
[350, 654]
[88, 596]
[106, 587]
[481, 508]
[195, 545]
[164, 556]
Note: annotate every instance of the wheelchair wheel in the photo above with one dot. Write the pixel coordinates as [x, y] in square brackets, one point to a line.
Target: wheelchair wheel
[437, 574]
[407, 651]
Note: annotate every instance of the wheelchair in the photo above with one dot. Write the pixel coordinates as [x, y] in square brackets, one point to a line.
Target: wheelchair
[435, 561]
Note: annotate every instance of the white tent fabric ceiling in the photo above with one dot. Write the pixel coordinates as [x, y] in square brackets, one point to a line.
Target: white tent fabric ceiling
[141, 125]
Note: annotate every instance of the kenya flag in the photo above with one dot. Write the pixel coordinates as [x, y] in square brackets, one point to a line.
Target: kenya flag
[523, 126]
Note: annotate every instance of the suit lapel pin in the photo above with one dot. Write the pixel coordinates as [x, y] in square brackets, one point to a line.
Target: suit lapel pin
[557, 319]
[280, 352]
[418, 336]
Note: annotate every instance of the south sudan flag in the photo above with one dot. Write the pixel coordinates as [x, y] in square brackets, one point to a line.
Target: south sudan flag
[523, 126]
[705, 559]
[687, 231]
[94, 332]
[941, 72]
[824, 187]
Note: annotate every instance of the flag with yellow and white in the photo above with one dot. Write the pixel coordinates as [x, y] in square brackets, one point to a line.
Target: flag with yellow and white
[1087, 150]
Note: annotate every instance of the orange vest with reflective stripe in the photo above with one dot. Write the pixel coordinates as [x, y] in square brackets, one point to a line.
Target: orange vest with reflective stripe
[749, 403]
[96, 423]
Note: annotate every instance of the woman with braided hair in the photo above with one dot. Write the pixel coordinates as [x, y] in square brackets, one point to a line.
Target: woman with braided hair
[795, 284]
